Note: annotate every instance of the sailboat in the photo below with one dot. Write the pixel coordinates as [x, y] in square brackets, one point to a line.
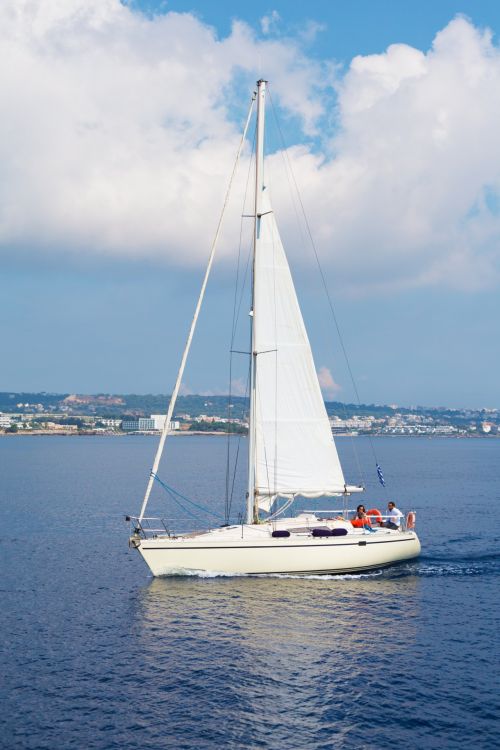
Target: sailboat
[291, 450]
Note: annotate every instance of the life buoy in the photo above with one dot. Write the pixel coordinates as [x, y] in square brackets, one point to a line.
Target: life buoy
[410, 520]
[375, 515]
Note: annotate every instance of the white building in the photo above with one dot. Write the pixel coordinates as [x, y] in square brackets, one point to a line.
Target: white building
[114, 423]
[159, 422]
[155, 424]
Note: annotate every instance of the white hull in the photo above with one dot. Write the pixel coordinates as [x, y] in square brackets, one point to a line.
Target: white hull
[222, 551]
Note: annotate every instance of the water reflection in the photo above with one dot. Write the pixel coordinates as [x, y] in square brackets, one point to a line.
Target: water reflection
[284, 654]
[266, 608]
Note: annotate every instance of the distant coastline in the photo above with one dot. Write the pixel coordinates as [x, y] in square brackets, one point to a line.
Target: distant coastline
[120, 414]
[221, 433]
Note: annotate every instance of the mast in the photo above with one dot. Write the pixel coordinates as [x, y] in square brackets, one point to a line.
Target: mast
[259, 187]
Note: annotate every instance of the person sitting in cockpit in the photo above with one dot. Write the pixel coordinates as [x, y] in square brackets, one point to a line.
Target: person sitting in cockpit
[360, 519]
[394, 517]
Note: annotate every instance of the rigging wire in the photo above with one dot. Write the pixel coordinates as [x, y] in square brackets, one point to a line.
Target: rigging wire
[237, 456]
[175, 495]
[291, 173]
[276, 360]
[173, 397]
[234, 326]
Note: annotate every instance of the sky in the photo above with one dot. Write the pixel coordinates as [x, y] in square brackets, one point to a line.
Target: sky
[119, 127]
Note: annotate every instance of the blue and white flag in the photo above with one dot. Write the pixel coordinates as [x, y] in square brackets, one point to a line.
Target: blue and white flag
[380, 476]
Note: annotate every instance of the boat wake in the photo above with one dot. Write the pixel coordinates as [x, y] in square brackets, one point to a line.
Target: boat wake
[487, 564]
[189, 573]
[443, 567]
[185, 573]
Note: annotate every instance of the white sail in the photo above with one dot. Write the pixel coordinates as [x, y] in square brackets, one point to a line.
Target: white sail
[294, 448]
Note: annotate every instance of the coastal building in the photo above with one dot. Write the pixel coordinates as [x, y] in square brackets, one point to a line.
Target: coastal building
[138, 425]
[143, 424]
[352, 424]
[56, 427]
[5, 420]
[159, 422]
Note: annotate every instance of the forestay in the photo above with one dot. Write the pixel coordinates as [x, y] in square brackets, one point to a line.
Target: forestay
[294, 448]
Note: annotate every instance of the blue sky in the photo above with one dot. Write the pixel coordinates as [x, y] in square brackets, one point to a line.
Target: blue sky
[118, 133]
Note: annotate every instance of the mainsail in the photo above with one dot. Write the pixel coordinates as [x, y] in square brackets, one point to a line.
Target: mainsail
[294, 448]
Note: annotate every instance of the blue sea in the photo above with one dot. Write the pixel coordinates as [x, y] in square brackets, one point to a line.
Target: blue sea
[98, 654]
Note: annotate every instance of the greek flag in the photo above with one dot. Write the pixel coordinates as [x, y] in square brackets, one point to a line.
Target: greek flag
[380, 476]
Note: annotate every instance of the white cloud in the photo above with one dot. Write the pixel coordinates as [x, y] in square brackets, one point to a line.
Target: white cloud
[269, 23]
[239, 387]
[118, 133]
[410, 193]
[328, 385]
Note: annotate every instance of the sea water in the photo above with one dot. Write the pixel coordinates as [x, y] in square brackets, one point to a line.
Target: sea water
[98, 654]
